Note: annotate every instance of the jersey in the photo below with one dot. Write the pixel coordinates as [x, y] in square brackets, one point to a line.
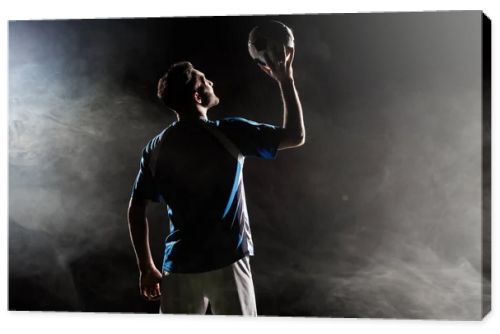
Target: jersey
[196, 169]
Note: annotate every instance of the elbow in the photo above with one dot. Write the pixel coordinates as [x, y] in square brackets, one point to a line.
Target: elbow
[301, 140]
[294, 140]
[298, 137]
[298, 141]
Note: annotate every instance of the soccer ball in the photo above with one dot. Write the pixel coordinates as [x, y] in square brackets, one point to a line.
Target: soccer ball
[268, 40]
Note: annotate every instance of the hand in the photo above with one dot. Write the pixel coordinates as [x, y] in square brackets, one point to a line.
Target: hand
[149, 284]
[281, 70]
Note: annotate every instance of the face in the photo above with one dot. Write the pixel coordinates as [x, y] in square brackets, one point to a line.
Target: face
[206, 90]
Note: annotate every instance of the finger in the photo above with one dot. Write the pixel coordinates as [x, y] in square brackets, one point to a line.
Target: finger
[146, 290]
[266, 69]
[151, 292]
[156, 294]
[155, 289]
[156, 298]
[289, 59]
[144, 293]
[269, 62]
[280, 60]
[283, 54]
[153, 298]
[292, 56]
[263, 69]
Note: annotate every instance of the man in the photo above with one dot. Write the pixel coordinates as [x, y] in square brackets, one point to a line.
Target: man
[194, 166]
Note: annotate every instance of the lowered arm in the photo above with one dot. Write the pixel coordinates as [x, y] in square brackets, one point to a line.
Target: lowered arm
[150, 276]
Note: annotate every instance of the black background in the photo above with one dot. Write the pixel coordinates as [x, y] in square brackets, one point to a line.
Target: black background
[378, 215]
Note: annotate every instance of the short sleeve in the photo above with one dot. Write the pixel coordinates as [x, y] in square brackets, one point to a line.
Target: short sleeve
[252, 138]
[144, 187]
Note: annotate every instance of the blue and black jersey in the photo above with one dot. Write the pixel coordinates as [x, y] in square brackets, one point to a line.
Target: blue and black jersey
[195, 168]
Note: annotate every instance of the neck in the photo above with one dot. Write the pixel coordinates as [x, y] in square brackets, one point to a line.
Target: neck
[193, 114]
[192, 117]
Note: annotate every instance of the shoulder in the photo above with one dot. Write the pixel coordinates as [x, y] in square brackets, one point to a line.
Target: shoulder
[156, 141]
[236, 121]
[240, 124]
[251, 138]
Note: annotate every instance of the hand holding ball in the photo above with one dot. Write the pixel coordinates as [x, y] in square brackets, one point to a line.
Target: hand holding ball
[272, 47]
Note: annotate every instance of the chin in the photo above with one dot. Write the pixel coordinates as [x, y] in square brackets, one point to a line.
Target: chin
[215, 101]
[211, 100]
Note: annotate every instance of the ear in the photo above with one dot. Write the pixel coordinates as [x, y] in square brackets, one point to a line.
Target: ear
[197, 97]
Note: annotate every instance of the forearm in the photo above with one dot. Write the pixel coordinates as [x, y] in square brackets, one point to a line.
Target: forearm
[139, 234]
[293, 120]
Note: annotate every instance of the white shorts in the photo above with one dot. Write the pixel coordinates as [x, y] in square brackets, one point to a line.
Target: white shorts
[229, 290]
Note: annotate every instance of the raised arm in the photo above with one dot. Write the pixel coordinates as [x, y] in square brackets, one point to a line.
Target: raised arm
[293, 120]
[150, 277]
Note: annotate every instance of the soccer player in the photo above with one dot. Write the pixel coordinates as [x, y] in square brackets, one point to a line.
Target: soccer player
[194, 166]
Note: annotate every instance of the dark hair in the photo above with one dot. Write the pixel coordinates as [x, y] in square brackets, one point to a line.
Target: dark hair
[176, 86]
